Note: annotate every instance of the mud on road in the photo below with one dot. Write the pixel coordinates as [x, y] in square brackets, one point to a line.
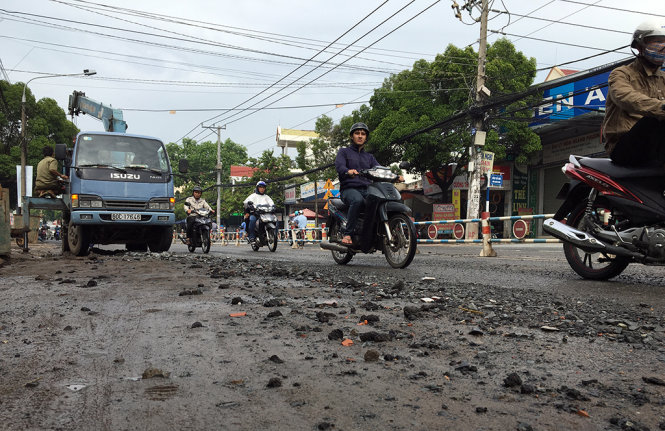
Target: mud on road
[171, 341]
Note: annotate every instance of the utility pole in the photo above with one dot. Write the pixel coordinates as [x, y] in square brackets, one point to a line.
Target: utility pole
[218, 168]
[473, 198]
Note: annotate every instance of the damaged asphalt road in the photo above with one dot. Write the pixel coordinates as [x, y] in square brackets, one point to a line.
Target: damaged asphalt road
[190, 341]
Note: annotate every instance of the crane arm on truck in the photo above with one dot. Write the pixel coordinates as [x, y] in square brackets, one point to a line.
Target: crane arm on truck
[111, 118]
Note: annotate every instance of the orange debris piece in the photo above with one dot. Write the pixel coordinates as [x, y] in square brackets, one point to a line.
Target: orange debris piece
[241, 314]
[347, 342]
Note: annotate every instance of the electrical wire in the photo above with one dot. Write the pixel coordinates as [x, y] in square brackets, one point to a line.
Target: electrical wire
[325, 73]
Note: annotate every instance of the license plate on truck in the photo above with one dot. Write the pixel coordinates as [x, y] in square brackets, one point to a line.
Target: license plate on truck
[123, 216]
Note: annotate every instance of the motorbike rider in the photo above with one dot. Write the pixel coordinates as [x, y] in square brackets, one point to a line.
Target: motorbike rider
[634, 120]
[259, 197]
[192, 205]
[353, 188]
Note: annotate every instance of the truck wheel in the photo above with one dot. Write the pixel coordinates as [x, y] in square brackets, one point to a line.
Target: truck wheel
[162, 239]
[78, 239]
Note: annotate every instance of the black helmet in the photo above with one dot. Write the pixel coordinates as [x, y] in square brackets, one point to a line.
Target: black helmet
[359, 126]
[197, 189]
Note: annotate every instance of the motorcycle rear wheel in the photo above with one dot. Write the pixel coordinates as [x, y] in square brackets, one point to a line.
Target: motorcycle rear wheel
[205, 241]
[592, 266]
[339, 257]
[401, 249]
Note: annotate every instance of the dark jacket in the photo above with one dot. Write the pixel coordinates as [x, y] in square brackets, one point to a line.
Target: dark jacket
[353, 157]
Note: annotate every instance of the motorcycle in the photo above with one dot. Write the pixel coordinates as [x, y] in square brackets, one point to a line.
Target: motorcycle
[384, 223]
[611, 216]
[266, 227]
[201, 227]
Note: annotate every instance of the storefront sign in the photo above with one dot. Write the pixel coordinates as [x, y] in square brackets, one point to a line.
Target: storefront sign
[576, 98]
[443, 211]
[580, 145]
[290, 195]
[486, 162]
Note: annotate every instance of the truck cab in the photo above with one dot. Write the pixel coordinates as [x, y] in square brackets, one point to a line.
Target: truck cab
[120, 192]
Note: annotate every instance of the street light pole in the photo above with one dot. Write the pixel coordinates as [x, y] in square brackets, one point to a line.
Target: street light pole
[24, 141]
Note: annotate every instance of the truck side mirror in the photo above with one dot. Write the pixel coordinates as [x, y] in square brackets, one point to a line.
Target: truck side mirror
[60, 151]
[183, 166]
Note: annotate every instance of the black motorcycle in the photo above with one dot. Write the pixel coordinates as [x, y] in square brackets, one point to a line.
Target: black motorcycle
[383, 224]
[266, 226]
[612, 216]
[201, 227]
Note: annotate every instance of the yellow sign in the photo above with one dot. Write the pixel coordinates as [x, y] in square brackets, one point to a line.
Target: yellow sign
[328, 195]
[329, 185]
[325, 207]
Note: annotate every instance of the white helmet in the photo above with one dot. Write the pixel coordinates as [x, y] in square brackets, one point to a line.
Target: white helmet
[645, 30]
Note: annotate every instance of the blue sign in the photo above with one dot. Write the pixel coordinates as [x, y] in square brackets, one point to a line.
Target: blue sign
[496, 180]
[576, 98]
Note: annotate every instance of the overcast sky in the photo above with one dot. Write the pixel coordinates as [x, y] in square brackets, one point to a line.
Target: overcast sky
[216, 55]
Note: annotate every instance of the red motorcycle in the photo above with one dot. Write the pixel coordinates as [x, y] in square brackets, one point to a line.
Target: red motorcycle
[611, 216]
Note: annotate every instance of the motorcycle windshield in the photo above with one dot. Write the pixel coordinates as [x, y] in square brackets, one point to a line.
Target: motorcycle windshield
[267, 218]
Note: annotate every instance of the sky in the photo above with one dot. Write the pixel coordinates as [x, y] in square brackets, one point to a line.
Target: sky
[175, 66]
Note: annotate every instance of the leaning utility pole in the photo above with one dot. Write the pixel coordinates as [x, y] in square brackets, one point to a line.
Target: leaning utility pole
[218, 168]
[475, 164]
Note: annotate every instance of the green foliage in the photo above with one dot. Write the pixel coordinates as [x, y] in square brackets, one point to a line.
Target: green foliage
[202, 158]
[431, 92]
[46, 124]
[268, 168]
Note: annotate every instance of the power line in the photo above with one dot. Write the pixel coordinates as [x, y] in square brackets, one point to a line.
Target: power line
[547, 40]
[616, 8]
[299, 67]
[179, 48]
[564, 23]
[238, 31]
[325, 73]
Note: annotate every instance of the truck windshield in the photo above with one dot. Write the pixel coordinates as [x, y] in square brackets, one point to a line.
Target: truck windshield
[121, 152]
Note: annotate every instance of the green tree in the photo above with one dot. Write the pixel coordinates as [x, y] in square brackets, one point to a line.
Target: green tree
[202, 158]
[430, 92]
[269, 168]
[46, 124]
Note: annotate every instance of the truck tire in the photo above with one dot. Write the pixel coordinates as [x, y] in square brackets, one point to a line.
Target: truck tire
[162, 239]
[78, 239]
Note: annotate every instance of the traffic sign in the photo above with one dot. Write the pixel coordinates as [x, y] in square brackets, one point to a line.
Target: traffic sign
[458, 231]
[328, 195]
[432, 231]
[520, 229]
[328, 185]
[496, 180]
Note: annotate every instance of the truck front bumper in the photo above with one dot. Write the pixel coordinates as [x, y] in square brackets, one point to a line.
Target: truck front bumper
[144, 218]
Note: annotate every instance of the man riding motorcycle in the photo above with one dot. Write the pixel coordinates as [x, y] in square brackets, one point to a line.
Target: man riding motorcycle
[635, 107]
[353, 188]
[191, 205]
[259, 197]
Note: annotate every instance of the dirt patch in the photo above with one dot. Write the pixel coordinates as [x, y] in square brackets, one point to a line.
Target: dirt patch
[250, 344]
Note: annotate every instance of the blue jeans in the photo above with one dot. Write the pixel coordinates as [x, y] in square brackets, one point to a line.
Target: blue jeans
[251, 227]
[355, 199]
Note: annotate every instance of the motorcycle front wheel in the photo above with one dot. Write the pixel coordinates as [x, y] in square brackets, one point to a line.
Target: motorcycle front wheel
[272, 239]
[401, 248]
[205, 241]
[592, 266]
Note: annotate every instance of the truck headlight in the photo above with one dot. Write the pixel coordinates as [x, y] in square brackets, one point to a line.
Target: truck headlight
[82, 201]
[160, 205]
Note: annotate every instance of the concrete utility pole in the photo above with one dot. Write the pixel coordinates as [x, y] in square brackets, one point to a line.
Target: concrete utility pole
[473, 198]
[218, 168]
